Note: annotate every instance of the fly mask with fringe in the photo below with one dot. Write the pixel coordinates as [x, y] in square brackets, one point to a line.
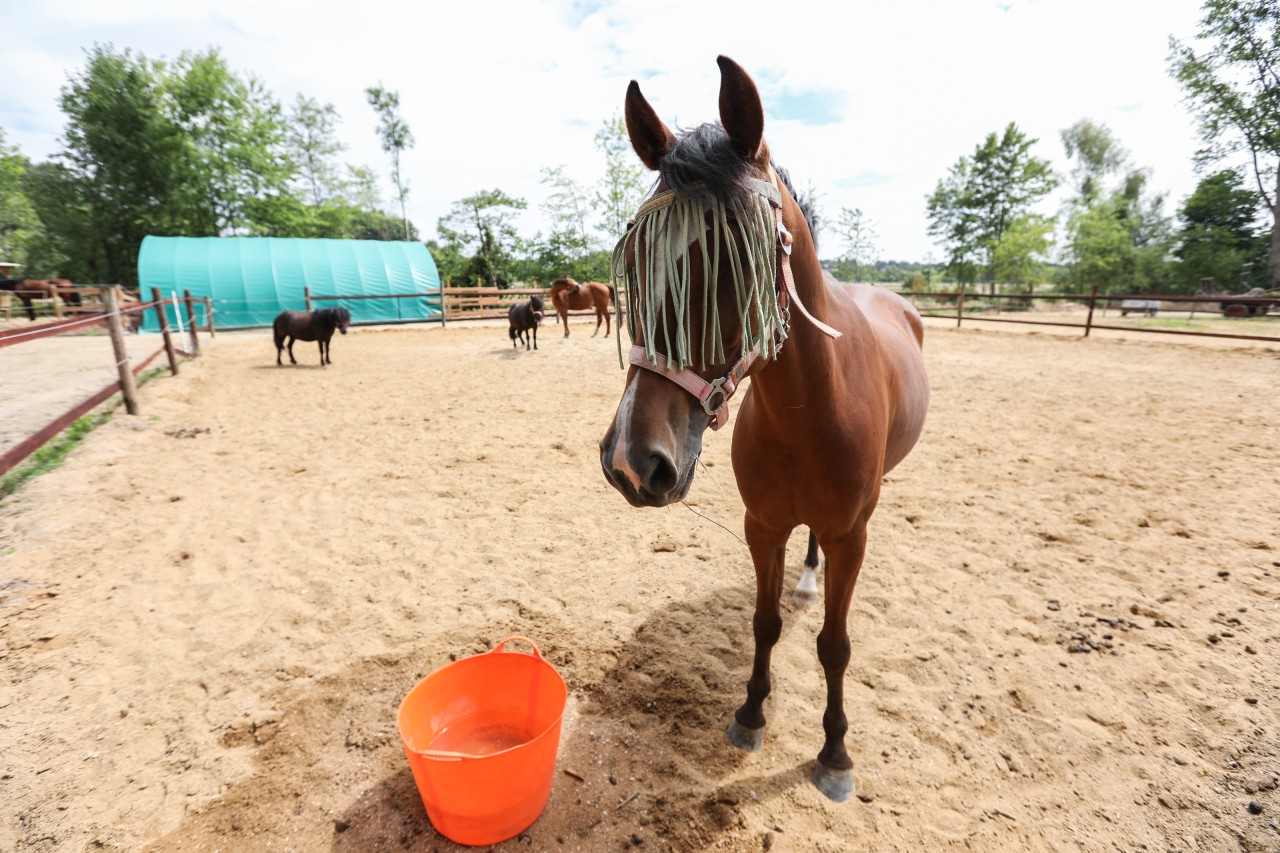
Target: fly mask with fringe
[666, 226]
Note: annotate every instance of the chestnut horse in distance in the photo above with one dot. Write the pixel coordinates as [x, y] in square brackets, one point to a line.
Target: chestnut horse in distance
[723, 283]
[567, 295]
[31, 289]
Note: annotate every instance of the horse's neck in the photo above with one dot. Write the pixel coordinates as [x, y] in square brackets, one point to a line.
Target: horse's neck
[796, 386]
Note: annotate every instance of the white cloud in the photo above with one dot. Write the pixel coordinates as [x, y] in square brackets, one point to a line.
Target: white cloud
[495, 91]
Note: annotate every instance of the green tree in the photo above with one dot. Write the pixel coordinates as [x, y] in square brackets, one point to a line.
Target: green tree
[1020, 257]
[1233, 80]
[61, 246]
[313, 145]
[1220, 237]
[859, 236]
[20, 224]
[622, 188]
[1122, 241]
[125, 159]
[974, 206]
[482, 225]
[238, 168]
[1098, 155]
[955, 221]
[396, 138]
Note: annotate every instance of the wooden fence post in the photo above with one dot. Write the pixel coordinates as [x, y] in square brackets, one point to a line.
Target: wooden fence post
[208, 316]
[164, 329]
[57, 304]
[191, 321]
[1093, 299]
[306, 291]
[115, 328]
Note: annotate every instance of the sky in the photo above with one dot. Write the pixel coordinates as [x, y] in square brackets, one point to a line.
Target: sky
[867, 102]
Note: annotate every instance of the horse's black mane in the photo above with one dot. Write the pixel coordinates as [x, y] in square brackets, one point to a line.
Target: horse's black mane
[705, 154]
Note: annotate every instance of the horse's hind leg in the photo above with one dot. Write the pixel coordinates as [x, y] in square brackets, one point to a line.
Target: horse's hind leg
[606, 323]
[807, 590]
[292, 360]
[833, 774]
[599, 317]
[768, 553]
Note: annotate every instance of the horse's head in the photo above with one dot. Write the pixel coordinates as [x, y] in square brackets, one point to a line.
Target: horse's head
[700, 263]
[535, 305]
[341, 319]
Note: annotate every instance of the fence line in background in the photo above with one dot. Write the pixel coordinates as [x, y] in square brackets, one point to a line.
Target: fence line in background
[1261, 304]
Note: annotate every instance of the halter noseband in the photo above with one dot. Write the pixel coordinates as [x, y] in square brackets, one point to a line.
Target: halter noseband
[714, 395]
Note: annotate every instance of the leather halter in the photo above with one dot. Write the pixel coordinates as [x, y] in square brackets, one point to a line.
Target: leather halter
[714, 395]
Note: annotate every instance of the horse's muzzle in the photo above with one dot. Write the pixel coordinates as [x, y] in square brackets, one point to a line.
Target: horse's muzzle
[655, 483]
[342, 329]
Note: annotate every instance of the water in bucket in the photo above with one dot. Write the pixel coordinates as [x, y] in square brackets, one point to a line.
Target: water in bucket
[480, 734]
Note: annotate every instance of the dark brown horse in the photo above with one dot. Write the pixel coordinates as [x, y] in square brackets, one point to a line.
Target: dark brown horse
[567, 295]
[523, 320]
[310, 326]
[722, 271]
[31, 289]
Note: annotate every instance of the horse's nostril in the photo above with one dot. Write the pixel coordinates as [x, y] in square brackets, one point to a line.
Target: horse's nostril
[660, 475]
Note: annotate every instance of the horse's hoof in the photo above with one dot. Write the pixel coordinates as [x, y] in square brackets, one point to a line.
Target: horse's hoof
[836, 785]
[806, 593]
[744, 738]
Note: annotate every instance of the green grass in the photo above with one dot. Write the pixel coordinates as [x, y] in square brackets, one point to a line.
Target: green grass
[51, 455]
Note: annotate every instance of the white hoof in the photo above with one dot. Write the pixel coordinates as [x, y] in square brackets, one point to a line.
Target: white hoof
[806, 594]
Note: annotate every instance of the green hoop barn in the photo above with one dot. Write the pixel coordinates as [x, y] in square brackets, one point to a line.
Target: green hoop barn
[252, 279]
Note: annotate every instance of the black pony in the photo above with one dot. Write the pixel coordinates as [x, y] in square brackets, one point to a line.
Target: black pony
[523, 318]
[310, 326]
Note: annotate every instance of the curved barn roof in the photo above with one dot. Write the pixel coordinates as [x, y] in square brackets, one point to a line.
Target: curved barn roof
[252, 279]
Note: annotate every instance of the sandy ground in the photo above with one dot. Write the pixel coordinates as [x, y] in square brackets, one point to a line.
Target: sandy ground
[1066, 636]
[41, 379]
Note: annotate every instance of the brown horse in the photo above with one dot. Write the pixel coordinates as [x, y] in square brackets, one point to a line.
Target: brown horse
[292, 326]
[31, 289]
[567, 295]
[722, 269]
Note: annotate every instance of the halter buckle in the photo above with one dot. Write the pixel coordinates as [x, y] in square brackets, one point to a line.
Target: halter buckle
[716, 389]
[784, 237]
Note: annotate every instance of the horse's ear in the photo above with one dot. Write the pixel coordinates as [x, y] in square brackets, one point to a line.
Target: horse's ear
[741, 113]
[649, 136]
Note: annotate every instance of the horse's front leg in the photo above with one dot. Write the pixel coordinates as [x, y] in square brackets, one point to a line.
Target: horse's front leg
[833, 775]
[606, 324]
[31, 311]
[535, 335]
[564, 317]
[768, 553]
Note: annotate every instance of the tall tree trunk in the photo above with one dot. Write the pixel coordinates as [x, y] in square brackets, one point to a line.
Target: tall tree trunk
[1274, 260]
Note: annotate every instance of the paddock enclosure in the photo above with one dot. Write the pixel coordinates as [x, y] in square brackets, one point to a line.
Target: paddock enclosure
[1066, 635]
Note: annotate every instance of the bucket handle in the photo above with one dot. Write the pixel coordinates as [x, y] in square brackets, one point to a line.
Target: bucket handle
[498, 648]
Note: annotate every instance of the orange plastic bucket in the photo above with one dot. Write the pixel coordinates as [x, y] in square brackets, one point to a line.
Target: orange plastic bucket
[481, 736]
